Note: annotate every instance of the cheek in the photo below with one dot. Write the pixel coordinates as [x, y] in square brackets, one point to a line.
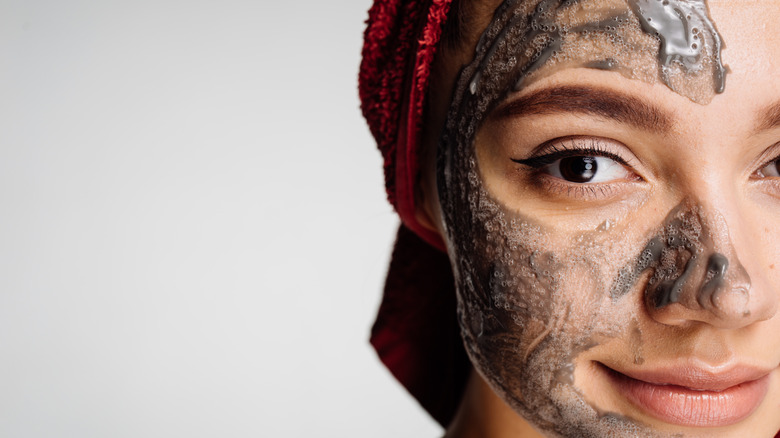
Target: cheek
[530, 298]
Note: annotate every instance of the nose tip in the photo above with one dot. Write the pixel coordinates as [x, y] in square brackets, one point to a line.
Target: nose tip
[732, 309]
[732, 304]
[724, 291]
[697, 276]
[718, 293]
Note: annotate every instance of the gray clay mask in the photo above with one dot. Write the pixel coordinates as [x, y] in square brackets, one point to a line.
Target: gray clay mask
[687, 264]
[650, 40]
[522, 327]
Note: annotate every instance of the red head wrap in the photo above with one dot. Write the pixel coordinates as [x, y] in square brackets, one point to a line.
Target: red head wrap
[416, 333]
[399, 44]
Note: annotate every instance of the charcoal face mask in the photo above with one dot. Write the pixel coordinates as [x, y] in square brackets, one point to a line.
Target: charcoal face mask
[650, 40]
[521, 327]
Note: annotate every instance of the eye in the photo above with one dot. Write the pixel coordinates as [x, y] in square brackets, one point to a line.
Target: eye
[581, 160]
[772, 169]
[587, 169]
[580, 169]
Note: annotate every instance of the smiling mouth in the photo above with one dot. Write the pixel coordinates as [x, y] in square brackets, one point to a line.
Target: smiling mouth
[690, 397]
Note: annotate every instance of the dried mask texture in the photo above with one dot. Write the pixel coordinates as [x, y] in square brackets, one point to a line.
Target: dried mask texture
[650, 40]
[690, 261]
[689, 43]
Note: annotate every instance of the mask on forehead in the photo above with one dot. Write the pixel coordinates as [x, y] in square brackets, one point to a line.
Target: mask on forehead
[520, 328]
[649, 40]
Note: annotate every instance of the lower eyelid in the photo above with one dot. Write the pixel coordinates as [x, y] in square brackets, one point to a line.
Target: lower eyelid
[557, 186]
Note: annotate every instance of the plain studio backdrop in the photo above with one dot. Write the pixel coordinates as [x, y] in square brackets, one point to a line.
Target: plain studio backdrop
[193, 227]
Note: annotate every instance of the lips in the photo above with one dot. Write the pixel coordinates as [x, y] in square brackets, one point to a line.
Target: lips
[694, 397]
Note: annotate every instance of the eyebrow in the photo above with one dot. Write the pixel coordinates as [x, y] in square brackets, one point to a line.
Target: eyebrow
[770, 118]
[599, 102]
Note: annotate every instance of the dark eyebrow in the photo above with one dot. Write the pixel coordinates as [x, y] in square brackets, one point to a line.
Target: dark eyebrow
[589, 100]
[770, 117]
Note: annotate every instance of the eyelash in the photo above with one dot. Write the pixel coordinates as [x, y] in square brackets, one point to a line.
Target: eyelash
[577, 147]
[540, 161]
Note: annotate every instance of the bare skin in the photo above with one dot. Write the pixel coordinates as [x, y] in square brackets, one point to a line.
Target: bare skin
[714, 162]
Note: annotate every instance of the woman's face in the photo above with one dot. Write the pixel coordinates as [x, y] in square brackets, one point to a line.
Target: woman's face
[611, 213]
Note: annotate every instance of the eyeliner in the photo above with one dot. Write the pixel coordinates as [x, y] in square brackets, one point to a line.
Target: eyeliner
[544, 160]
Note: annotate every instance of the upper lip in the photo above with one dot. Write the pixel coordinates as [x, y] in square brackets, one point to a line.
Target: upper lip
[698, 378]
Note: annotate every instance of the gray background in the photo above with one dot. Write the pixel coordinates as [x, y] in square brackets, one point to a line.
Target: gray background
[193, 227]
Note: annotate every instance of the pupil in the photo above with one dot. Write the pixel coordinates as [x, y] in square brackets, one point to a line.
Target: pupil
[578, 169]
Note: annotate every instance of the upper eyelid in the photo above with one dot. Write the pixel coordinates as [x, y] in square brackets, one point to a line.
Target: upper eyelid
[545, 159]
[575, 146]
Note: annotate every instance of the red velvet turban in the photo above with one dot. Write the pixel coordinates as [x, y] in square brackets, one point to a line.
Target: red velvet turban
[416, 332]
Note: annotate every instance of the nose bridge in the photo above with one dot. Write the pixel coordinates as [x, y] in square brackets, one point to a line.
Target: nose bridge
[697, 273]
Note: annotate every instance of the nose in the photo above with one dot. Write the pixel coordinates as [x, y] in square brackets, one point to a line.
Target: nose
[695, 274]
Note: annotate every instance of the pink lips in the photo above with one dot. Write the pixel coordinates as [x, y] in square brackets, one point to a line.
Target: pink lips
[692, 397]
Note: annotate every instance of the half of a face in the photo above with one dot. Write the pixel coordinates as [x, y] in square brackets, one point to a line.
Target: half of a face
[605, 213]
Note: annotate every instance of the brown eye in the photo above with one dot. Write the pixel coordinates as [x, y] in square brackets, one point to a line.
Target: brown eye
[587, 169]
[578, 169]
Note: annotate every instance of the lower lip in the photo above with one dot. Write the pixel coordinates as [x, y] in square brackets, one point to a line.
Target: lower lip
[689, 407]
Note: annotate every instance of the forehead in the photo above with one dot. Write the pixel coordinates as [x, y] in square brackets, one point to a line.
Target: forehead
[673, 41]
